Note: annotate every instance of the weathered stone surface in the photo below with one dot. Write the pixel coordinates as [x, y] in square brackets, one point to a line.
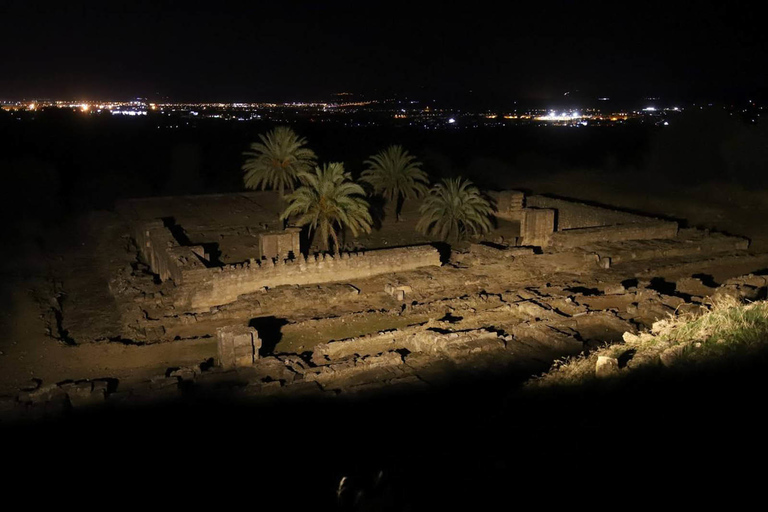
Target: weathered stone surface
[351, 373]
[204, 288]
[749, 287]
[614, 289]
[649, 230]
[672, 355]
[84, 394]
[538, 225]
[606, 366]
[294, 363]
[693, 286]
[186, 373]
[542, 337]
[41, 394]
[600, 326]
[163, 382]
[270, 369]
[535, 310]
[237, 345]
[509, 204]
[279, 244]
[649, 312]
[672, 301]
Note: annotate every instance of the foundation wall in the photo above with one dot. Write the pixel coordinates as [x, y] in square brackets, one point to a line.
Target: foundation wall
[574, 215]
[162, 252]
[509, 204]
[637, 231]
[208, 287]
[154, 241]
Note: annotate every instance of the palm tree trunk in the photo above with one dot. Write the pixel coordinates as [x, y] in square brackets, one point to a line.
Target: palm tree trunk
[390, 211]
[399, 201]
[335, 241]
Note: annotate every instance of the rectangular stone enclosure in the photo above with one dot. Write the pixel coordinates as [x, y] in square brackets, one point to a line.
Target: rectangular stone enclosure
[238, 346]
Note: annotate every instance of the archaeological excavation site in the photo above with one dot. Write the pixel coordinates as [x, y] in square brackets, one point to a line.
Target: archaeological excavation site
[210, 295]
[381, 256]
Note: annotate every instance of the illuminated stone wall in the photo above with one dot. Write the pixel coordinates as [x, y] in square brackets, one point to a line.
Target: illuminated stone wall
[203, 288]
[162, 252]
[575, 215]
[280, 244]
[621, 232]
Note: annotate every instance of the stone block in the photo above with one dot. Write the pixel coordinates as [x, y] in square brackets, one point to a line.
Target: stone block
[693, 286]
[509, 204]
[606, 366]
[280, 244]
[238, 346]
[84, 394]
[537, 226]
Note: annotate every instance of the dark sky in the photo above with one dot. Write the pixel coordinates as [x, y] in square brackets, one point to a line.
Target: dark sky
[283, 50]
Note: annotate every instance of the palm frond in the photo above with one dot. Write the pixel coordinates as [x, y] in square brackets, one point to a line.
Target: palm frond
[328, 201]
[453, 209]
[395, 175]
[277, 160]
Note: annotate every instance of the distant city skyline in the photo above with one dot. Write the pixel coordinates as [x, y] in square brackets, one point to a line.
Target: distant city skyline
[350, 112]
[566, 101]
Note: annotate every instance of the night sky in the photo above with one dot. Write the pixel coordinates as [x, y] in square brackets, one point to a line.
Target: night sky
[219, 50]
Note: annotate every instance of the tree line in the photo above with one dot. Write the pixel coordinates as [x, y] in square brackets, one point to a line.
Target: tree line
[326, 199]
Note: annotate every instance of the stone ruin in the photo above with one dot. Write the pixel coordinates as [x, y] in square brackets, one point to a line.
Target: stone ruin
[573, 276]
[548, 221]
[280, 245]
[237, 346]
[553, 236]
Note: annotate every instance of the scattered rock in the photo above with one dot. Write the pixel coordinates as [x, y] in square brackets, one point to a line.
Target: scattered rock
[672, 302]
[83, 394]
[185, 373]
[693, 286]
[615, 289]
[672, 355]
[606, 366]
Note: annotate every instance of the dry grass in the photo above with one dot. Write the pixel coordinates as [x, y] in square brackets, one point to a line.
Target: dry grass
[726, 329]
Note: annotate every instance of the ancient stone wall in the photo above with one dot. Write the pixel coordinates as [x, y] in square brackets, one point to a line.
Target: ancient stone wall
[509, 204]
[656, 229]
[162, 252]
[575, 215]
[203, 288]
[279, 244]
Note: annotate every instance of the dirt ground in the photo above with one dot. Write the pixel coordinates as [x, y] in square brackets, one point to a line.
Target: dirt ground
[27, 351]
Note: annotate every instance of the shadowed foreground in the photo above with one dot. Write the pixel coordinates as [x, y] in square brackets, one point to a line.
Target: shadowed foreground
[684, 437]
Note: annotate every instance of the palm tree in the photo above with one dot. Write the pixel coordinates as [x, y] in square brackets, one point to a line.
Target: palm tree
[327, 201]
[454, 208]
[277, 160]
[396, 175]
